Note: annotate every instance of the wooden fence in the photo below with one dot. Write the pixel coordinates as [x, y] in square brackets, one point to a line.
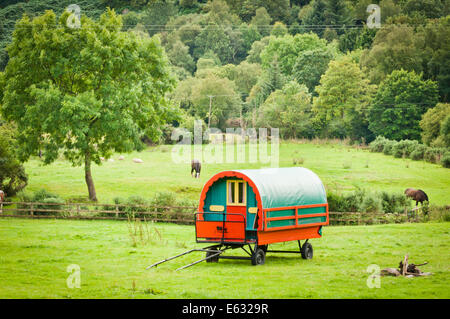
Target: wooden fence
[169, 214]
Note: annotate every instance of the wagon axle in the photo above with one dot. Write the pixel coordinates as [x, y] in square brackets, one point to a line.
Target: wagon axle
[257, 256]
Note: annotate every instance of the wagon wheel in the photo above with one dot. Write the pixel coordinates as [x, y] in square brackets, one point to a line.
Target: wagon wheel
[307, 251]
[213, 259]
[258, 257]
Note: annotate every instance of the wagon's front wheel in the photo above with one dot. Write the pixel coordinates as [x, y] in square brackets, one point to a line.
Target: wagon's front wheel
[307, 251]
[258, 257]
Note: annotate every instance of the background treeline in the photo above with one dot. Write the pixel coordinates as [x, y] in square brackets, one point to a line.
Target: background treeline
[309, 67]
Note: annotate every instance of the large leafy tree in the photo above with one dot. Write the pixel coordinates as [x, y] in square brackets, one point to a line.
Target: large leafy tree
[395, 47]
[344, 94]
[399, 104]
[432, 121]
[197, 94]
[437, 54]
[288, 109]
[310, 65]
[86, 91]
[286, 49]
[12, 173]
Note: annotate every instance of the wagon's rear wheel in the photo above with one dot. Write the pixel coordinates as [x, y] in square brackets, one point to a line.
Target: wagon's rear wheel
[258, 257]
[213, 259]
[307, 251]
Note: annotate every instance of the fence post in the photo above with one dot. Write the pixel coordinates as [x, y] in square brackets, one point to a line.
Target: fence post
[31, 209]
[117, 211]
[1, 206]
[78, 209]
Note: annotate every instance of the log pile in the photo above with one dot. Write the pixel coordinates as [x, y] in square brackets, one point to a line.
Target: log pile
[405, 269]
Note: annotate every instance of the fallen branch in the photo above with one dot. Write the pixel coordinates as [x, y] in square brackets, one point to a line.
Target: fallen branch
[405, 269]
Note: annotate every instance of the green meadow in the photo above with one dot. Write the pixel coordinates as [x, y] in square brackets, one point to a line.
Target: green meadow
[35, 255]
[342, 168]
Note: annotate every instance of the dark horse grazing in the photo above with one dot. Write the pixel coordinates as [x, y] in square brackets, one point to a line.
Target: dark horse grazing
[416, 194]
[196, 166]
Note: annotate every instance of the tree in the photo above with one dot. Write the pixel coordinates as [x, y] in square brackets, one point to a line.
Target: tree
[445, 130]
[426, 8]
[314, 16]
[254, 55]
[337, 13]
[272, 79]
[289, 110]
[178, 54]
[84, 91]
[12, 173]
[245, 75]
[195, 95]
[394, 48]
[287, 49]
[436, 54]
[344, 94]
[262, 21]
[432, 121]
[310, 65]
[398, 106]
[225, 102]
[279, 29]
[157, 14]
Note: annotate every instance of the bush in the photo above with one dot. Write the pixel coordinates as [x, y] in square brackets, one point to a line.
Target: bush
[377, 145]
[404, 148]
[445, 160]
[394, 203]
[371, 203]
[388, 146]
[418, 152]
[433, 154]
[43, 197]
[133, 212]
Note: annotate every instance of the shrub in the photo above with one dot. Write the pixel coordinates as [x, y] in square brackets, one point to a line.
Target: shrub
[403, 148]
[394, 203]
[133, 212]
[445, 160]
[433, 154]
[388, 146]
[377, 145]
[418, 152]
[43, 197]
[336, 203]
[163, 199]
[371, 203]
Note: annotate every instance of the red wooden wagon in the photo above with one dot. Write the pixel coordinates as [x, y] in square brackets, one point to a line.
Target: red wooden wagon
[256, 208]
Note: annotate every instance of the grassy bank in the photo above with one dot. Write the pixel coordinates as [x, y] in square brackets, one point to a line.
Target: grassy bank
[341, 168]
[35, 254]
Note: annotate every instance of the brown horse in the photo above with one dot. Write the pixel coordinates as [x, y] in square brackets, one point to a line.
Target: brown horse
[2, 195]
[196, 166]
[416, 194]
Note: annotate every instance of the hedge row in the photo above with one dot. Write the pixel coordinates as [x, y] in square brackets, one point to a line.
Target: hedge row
[362, 200]
[411, 149]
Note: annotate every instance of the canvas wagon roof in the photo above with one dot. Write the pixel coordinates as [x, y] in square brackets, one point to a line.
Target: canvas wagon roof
[287, 186]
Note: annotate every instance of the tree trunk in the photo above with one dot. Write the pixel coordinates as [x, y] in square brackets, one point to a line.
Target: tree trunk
[88, 177]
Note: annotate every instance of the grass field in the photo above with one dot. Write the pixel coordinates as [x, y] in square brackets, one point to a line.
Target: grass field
[35, 254]
[341, 168]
